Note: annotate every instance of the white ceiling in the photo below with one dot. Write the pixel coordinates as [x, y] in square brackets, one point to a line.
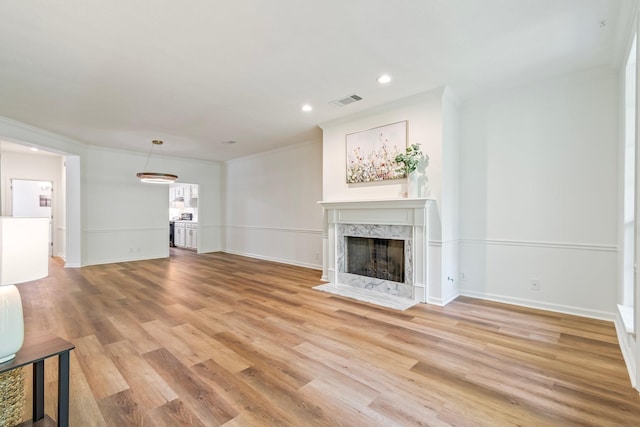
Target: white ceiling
[194, 74]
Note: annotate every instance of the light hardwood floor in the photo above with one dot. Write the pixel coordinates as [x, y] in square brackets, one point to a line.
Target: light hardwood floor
[218, 339]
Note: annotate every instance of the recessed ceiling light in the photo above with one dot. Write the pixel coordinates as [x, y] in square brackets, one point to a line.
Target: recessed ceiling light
[33, 149]
[231, 141]
[385, 78]
[306, 108]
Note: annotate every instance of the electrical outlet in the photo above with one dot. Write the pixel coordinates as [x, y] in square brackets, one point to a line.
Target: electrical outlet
[535, 284]
[463, 275]
[317, 256]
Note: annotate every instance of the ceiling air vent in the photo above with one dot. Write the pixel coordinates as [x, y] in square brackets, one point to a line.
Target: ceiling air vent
[346, 100]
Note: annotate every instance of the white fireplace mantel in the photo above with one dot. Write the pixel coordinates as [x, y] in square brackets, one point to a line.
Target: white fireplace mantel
[418, 214]
[376, 203]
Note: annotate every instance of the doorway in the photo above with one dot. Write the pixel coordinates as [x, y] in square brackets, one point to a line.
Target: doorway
[183, 216]
[33, 199]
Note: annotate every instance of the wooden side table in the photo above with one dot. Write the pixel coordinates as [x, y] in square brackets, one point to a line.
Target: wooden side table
[34, 351]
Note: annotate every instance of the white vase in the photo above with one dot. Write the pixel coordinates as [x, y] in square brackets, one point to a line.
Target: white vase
[11, 322]
[413, 185]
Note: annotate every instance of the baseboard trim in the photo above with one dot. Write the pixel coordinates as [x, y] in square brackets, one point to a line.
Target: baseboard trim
[559, 308]
[627, 353]
[69, 265]
[435, 301]
[441, 302]
[450, 298]
[273, 259]
[124, 230]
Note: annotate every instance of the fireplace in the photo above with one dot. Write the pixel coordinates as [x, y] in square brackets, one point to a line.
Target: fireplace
[377, 248]
[382, 260]
[378, 258]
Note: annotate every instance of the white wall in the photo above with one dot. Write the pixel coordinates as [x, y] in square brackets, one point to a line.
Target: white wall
[73, 212]
[271, 205]
[424, 114]
[113, 217]
[433, 119]
[14, 165]
[450, 197]
[21, 133]
[126, 219]
[539, 194]
[61, 220]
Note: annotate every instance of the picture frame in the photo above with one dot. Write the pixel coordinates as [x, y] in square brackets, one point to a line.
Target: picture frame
[371, 153]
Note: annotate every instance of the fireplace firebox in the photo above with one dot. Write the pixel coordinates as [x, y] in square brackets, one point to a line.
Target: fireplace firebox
[375, 257]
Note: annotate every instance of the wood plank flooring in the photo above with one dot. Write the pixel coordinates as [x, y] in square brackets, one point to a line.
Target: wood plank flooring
[218, 339]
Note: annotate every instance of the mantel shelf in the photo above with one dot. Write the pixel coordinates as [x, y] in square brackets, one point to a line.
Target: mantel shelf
[373, 204]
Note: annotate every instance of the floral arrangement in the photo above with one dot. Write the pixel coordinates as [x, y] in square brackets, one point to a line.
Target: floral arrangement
[408, 162]
[377, 165]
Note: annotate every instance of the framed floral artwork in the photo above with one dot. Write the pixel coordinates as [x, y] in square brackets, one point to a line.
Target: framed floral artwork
[371, 153]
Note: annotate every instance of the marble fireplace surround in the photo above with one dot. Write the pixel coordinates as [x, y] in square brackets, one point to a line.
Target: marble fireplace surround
[404, 219]
[382, 231]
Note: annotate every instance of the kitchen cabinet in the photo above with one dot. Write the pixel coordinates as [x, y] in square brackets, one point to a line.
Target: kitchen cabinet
[183, 196]
[180, 235]
[186, 234]
[176, 196]
[194, 236]
[193, 198]
[186, 194]
[191, 236]
[190, 196]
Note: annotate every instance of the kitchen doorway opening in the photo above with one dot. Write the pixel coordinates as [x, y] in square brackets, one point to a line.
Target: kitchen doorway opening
[183, 216]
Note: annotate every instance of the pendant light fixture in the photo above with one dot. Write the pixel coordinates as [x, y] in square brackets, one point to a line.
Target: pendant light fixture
[155, 177]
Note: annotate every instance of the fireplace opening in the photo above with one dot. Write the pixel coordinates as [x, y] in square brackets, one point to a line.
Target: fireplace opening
[378, 258]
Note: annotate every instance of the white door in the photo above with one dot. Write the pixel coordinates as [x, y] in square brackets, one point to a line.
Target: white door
[33, 199]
